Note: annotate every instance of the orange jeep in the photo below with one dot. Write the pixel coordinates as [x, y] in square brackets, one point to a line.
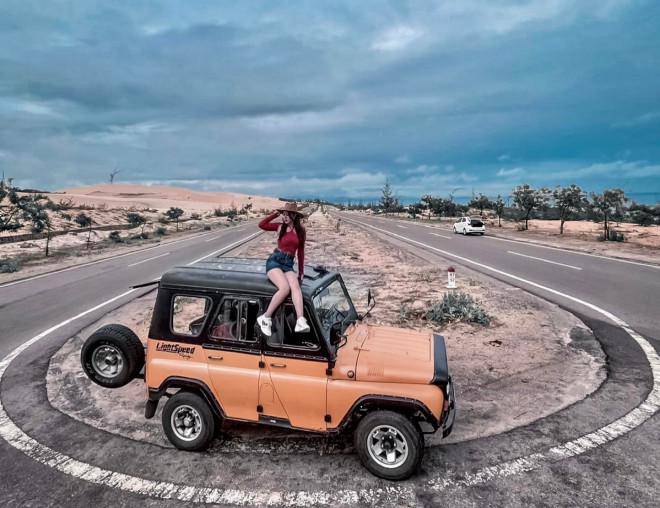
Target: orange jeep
[207, 355]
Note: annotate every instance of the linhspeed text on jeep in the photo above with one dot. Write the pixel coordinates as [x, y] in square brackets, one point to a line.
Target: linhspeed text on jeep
[206, 355]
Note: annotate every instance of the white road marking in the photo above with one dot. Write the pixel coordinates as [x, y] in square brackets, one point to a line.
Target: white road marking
[225, 248]
[400, 226]
[443, 236]
[149, 259]
[75, 267]
[608, 258]
[167, 490]
[109, 258]
[544, 260]
[569, 251]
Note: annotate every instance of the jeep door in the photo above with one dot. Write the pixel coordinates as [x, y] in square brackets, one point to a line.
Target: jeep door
[296, 363]
[234, 356]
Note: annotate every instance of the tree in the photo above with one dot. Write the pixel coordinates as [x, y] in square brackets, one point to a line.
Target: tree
[10, 210]
[498, 206]
[85, 221]
[644, 215]
[606, 205]
[528, 199]
[136, 220]
[245, 210]
[36, 213]
[174, 213]
[428, 201]
[481, 202]
[568, 201]
[387, 200]
[415, 209]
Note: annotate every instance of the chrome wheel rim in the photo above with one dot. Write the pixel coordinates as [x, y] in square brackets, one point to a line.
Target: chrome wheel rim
[107, 361]
[387, 446]
[186, 423]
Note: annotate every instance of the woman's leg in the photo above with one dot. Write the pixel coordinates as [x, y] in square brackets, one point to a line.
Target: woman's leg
[277, 277]
[296, 293]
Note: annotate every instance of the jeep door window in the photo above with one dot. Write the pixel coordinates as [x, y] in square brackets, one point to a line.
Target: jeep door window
[284, 334]
[235, 320]
[333, 305]
[189, 314]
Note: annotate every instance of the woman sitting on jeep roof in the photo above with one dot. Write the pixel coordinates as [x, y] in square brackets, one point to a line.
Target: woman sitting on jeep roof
[279, 265]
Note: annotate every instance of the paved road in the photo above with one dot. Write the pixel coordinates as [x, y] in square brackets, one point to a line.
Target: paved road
[629, 290]
[30, 306]
[527, 466]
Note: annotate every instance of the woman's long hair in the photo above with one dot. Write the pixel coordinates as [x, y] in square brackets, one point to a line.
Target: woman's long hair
[297, 225]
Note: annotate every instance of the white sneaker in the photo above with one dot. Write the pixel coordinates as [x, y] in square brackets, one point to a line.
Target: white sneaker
[301, 325]
[265, 324]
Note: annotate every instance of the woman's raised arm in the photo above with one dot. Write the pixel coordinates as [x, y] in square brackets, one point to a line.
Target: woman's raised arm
[266, 223]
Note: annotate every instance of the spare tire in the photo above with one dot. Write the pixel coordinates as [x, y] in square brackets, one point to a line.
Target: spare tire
[112, 356]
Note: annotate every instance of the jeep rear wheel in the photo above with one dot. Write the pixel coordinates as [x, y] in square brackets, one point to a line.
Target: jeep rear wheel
[112, 356]
[188, 422]
[389, 445]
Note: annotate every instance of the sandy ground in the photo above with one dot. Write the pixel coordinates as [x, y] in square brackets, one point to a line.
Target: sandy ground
[533, 360]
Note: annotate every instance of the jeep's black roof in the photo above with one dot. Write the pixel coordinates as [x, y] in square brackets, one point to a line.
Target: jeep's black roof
[237, 274]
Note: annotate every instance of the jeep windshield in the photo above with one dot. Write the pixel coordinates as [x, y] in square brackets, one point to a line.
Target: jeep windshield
[333, 305]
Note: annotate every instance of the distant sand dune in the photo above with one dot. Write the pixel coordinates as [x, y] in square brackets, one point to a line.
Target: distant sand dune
[120, 195]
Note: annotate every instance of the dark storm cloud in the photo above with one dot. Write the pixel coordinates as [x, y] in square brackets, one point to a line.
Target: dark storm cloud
[330, 100]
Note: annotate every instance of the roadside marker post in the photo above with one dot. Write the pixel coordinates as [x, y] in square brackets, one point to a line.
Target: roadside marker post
[451, 278]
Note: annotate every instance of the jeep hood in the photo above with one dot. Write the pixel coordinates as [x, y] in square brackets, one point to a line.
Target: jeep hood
[390, 355]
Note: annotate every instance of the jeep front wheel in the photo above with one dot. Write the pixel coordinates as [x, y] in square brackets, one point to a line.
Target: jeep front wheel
[188, 422]
[112, 356]
[389, 445]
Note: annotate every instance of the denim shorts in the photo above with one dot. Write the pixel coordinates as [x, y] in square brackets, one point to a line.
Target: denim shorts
[281, 260]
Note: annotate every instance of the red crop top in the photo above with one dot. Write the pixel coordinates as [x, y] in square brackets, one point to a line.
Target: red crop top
[289, 242]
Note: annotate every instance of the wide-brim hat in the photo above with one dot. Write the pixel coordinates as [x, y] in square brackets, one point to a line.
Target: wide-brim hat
[291, 207]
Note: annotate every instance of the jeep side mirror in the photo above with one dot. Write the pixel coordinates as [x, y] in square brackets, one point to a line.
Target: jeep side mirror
[371, 303]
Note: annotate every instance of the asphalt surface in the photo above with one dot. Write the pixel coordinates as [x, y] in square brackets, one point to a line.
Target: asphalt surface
[622, 472]
[628, 290]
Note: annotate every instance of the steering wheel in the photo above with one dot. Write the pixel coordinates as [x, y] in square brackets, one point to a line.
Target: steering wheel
[341, 313]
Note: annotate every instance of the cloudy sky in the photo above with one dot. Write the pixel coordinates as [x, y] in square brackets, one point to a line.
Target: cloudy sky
[328, 99]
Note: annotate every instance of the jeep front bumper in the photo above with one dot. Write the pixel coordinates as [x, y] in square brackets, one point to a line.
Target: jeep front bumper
[442, 379]
[449, 410]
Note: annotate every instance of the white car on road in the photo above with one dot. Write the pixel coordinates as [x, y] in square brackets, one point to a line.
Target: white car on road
[467, 225]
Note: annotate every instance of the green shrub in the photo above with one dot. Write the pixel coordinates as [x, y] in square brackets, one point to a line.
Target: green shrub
[115, 237]
[207, 228]
[457, 306]
[644, 218]
[9, 266]
[160, 231]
